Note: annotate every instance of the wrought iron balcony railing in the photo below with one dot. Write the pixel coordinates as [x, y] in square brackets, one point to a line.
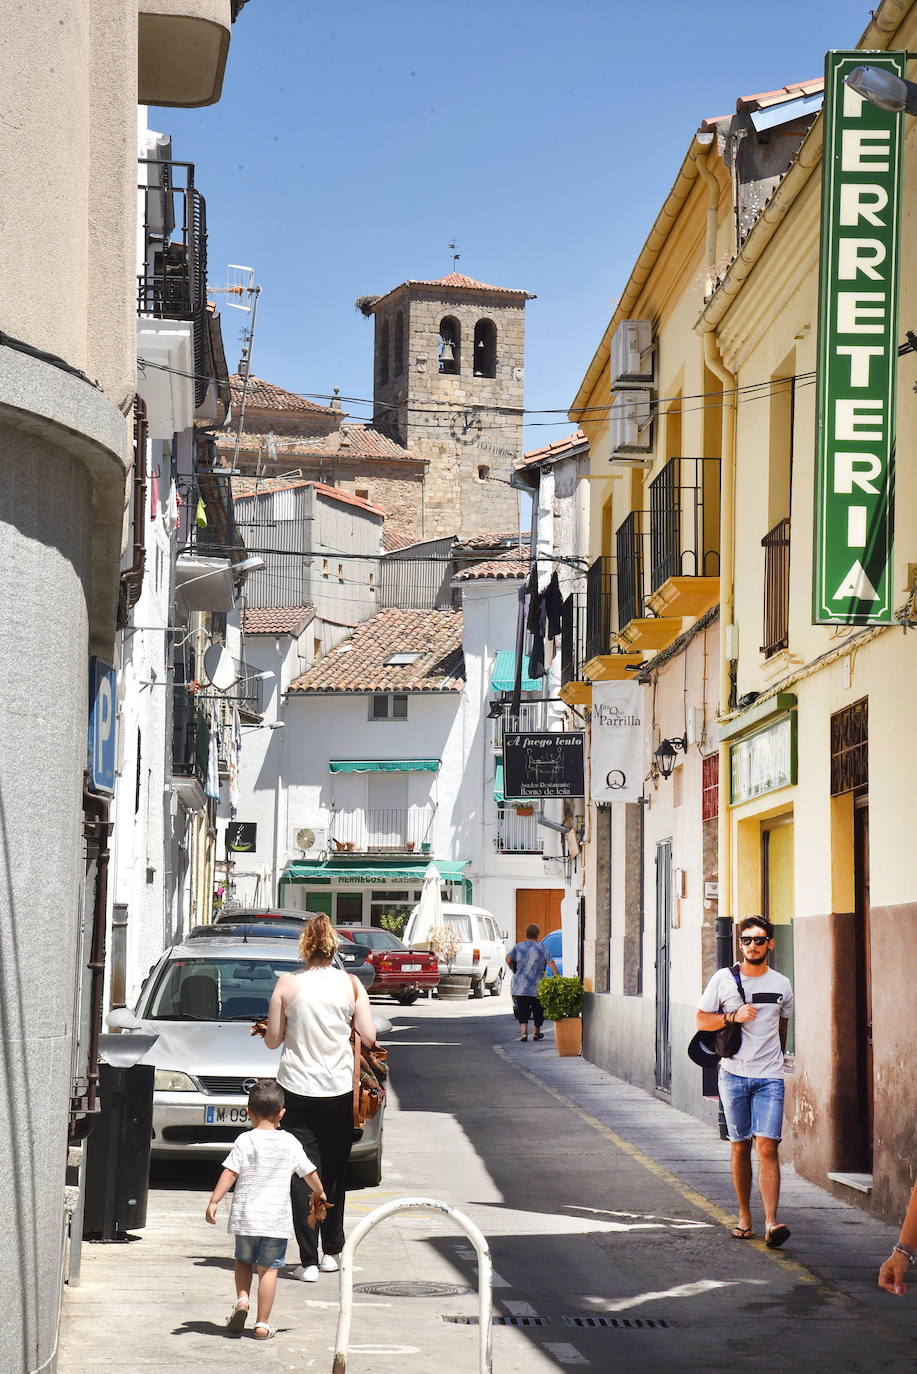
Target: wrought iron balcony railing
[684, 519]
[776, 545]
[382, 830]
[518, 834]
[629, 546]
[573, 638]
[190, 737]
[599, 608]
[172, 284]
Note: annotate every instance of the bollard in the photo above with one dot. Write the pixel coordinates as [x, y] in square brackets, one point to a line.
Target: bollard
[485, 1275]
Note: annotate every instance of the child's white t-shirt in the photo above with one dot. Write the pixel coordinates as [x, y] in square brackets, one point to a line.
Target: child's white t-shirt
[265, 1162]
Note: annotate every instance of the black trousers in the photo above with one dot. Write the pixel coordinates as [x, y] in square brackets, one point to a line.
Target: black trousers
[324, 1128]
[527, 1009]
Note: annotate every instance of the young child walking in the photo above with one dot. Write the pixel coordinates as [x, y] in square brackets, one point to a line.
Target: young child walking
[260, 1164]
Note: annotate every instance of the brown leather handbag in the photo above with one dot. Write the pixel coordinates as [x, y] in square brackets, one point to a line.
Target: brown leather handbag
[370, 1071]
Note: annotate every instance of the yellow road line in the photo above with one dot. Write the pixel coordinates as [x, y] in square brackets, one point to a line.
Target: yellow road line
[691, 1195]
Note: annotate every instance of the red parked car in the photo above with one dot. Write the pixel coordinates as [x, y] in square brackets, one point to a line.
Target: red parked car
[402, 972]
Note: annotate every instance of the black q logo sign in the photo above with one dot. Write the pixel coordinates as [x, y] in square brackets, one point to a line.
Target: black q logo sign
[615, 780]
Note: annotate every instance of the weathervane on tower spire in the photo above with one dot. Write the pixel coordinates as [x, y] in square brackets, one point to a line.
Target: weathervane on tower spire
[455, 253]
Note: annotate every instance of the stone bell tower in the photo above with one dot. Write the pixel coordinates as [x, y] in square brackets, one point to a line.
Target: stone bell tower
[448, 385]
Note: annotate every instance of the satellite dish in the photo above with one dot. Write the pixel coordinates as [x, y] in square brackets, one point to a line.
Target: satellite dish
[219, 668]
[305, 838]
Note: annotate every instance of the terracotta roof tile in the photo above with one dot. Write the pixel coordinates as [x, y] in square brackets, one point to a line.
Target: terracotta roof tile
[456, 281]
[782, 93]
[556, 450]
[492, 539]
[392, 540]
[266, 396]
[508, 566]
[276, 620]
[260, 486]
[358, 665]
[358, 442]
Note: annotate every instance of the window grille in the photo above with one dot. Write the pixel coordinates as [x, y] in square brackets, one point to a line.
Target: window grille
[850, 748]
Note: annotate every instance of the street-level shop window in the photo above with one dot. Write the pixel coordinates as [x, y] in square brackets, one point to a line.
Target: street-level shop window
[388, 706]
[393, 903]
[348, 908]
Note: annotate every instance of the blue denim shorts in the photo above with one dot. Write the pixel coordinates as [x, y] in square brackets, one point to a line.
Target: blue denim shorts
[267, 1252]
[752, 1106]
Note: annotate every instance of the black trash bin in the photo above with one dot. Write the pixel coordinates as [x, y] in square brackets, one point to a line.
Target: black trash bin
[117, 1158]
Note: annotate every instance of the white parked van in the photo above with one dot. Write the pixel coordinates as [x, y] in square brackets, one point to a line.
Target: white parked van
[483, 950]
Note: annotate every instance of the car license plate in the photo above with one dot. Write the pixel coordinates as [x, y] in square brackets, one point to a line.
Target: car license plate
[225, 1116]
[411, 968]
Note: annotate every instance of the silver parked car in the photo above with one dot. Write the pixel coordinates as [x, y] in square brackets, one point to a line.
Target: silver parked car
[200, 1000]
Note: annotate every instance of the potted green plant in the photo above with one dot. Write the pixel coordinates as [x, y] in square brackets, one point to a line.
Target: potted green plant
[562, 999]
[445, 943]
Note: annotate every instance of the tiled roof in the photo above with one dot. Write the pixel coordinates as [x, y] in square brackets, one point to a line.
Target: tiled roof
[492, 539]
[765, 98]
[276, 620]
[507, 566]
[456, 281]
[358, 665]
[392, 540]
[265, 396]
[560, 448]
[258, 486]
[356, 442]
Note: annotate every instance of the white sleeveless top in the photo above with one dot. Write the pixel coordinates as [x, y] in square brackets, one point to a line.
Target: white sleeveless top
[317, 1058]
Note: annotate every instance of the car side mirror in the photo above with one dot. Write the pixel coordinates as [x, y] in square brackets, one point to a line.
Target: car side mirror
[504, 934]
[122, 1019]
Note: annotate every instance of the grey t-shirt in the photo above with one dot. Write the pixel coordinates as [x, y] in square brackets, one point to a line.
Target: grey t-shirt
[760, 1054]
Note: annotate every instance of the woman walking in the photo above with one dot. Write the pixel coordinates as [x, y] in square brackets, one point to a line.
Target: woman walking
[310, 1015]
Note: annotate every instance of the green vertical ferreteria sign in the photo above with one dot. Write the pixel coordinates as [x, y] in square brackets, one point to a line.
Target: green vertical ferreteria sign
[857, 350]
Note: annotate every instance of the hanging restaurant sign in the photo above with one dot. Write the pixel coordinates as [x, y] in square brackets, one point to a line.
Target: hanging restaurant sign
[616, 768]
[857, 350]
[546, 764]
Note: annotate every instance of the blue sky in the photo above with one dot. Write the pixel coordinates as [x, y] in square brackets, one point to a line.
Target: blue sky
[354, 141]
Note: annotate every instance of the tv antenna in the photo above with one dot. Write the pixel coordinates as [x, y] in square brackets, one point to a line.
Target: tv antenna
[453, 248]
[242, 293]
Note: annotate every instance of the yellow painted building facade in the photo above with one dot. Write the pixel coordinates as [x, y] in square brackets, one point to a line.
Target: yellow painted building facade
[808, 724]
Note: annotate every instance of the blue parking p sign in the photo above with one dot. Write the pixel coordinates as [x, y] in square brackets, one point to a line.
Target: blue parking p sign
[102, 700]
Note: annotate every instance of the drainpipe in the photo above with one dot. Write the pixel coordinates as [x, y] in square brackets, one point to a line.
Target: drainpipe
[132, 577]
[98, 827]
[698, 152]
[728, 649]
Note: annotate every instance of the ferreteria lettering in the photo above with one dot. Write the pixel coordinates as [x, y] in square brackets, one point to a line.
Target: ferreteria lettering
[854, 516]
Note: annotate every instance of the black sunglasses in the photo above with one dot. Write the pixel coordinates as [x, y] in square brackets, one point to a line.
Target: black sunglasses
[753, 939]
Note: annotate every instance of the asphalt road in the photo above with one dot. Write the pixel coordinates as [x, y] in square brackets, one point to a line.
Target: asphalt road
[603, 1256]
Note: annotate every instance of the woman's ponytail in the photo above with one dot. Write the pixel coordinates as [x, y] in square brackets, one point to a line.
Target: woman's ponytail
[318, 939]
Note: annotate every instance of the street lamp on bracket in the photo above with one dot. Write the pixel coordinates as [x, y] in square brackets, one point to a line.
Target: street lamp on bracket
[666, 754]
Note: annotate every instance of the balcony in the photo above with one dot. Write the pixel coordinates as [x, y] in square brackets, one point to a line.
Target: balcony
[386, 830]
[190, 749]
[574, 689]
[533, 715]
[776, 545]
[604, 659]
[172, 283]
[518, 833]
[182, 46]
[668, 557]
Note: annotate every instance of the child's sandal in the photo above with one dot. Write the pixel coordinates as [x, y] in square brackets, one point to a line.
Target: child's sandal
[235, 1322]
[264, 1331]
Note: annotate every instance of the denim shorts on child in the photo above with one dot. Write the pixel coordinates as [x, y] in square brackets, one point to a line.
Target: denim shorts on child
[267, 1251]
[751, 1106]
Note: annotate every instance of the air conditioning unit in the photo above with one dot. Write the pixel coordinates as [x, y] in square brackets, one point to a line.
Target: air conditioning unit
[631, 423]
[308, 839]
[632, 354]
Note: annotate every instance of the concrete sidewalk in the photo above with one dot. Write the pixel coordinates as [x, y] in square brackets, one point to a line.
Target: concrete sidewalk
[833, 1244]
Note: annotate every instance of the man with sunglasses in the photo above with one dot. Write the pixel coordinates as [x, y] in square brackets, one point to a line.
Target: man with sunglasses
[751, 1082]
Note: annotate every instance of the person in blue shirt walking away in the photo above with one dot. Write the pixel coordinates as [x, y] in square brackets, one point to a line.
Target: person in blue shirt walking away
[528, 962]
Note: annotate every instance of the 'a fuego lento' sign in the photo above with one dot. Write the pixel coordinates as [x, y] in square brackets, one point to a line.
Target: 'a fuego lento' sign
[857, 350]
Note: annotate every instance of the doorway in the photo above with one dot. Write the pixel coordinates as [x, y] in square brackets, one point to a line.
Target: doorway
[862, 982]
[663, 965]
[778, 888]
[538, 906]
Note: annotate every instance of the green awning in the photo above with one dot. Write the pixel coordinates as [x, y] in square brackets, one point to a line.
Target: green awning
[384, 765]
[302, 872]
[498, 783]
[503, 677]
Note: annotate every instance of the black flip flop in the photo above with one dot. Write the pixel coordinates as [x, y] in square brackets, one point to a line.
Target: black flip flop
[776, 1236]
[742, 1233]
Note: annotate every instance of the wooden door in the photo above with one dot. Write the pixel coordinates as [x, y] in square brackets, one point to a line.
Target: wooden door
[539, 906]
[863, 980]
